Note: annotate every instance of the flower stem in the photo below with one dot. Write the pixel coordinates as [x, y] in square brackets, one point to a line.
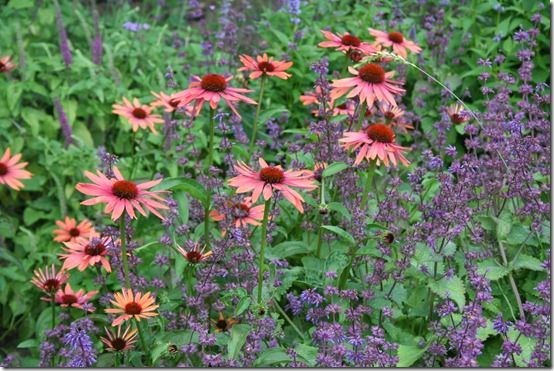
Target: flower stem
[361, 115]
[141, 335]
[262, 250]
[367, 185]
[116, 359]
[122, 238]
[53, 306]
[287, 318]
[209, 194]
[319, 229]
[255, 123]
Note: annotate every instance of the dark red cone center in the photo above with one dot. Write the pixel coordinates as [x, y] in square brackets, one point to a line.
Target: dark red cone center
[350, 40]
[266, 66]
[139, 113]
[133, 308]
[125, 189]
[380, 133]
[272, 175]
[213, 82]
[69, 299]
[396, 37]
[372, 73]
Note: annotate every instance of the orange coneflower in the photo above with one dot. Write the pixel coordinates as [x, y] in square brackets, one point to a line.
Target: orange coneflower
[6, 64]
[11, 171]
[129, 306]
[222, 324]
[346, 42]
[170, 103]
[265, 66]
[375, 143]
[70, 230]
[49, 281]
[194, 255]
[394, 116]
[139, 116]
[395, 39]
[212, 88]
[370, 83]
[118, 342]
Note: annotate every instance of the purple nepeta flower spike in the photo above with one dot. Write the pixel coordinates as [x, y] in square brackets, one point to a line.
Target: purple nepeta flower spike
[64, 42]
[64, 122]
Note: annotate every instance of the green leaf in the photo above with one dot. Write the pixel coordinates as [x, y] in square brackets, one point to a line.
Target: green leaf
[491, 269]
[238, 338]
[30, 343]
[334, 168]
[242, 305]
[527, 262]
[503, 228]
[340, 232]
[308, 354]
[286, 249]
[338, 207]
[450, 288]
[188, 185]
[271, 356]
[409, 354]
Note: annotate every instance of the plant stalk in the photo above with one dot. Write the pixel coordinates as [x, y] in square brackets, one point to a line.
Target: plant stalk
[255, 123]
[262, 250]
[123, 238]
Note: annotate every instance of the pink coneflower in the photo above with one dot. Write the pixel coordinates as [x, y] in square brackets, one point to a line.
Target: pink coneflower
[85, 252]
[264, 65]
[139, 116]
[394, 116]
[69, 298]
[121, 195]
[6, 64]
[455, 113]
[170, 103]
[396, 40]
[346, 108]
[370, 83]
[11, 171]
[135, 306]
[212, 88]
[271, 178]
[243, 213]
[375, 143]
[319, 167]
[49, 280]
[346, 43]
[195, 254]
[69, 230]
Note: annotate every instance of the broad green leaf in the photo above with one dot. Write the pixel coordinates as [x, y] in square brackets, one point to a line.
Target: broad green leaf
[308, 354]
[491, 269]
[334, 168]
[286, 249]
[341, 233]
[409, 354]
[527, 262]
[238, 338]
[452, 288]
[271, 357]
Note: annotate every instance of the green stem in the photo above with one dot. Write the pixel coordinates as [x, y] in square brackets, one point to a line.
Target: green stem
[255, 123]
[319, 229]
[116, 359]
[367, 185]
[262, 250]
[209, 194]
[287, 318]
[141, 335]
[53, 306]
[122, 238]
[361, 116]
[189, 280]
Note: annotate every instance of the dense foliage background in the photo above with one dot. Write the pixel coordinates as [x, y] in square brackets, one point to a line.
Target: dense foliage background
[466, 279]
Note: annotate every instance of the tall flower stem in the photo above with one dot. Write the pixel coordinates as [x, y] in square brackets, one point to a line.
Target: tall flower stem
[367, 185]
[361, 115]
[319, 229]
[262, 250]
[53, 306]
[123, 238]
[208, 165]
[255, 123]
[141, 335]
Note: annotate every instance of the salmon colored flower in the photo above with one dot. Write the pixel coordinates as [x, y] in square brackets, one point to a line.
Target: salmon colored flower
[194, 255]
[170, 103]
[319, 167]
[6, 64]
[394, 116]
[130, 306]
[69, 298]
[11, 171]
[346, 108]
[395, 39]
[119, 342]
[375, 143]
[212, 88]
[346, 43]
[222, 324]
[139, 116]
[264, 65]
[69, 230]
[243, 213]
[49, 280]
[271, 178]
[311, 97]
[455, 114]
[86, 252]
[370, 83]
[122, 195]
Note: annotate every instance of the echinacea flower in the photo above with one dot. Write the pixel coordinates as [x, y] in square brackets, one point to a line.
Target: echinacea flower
[265, 66]
[49, 280]
[222, 324]
[212, 88]
[395, 39]
[69, 298]
[86, 252]
[376, 142]
[271, 178]
[119, 342]
[170, 103]
[394, 116]
[243, 213]
[122, 195]
[346, 43]
[138, 115]
[130, 306]
[11, 171]
[70, 230]
[194, 255]
[370, 83]
[346, 108]
[455, 114]
[6, 64]
[319, 167]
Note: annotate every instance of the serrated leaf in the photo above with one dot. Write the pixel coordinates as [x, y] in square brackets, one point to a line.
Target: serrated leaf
[409, 354]
[452, 288]
[308, 354]
[491, 269]
[527, 262]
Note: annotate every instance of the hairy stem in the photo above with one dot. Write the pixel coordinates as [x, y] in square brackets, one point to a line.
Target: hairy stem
[262, 250]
